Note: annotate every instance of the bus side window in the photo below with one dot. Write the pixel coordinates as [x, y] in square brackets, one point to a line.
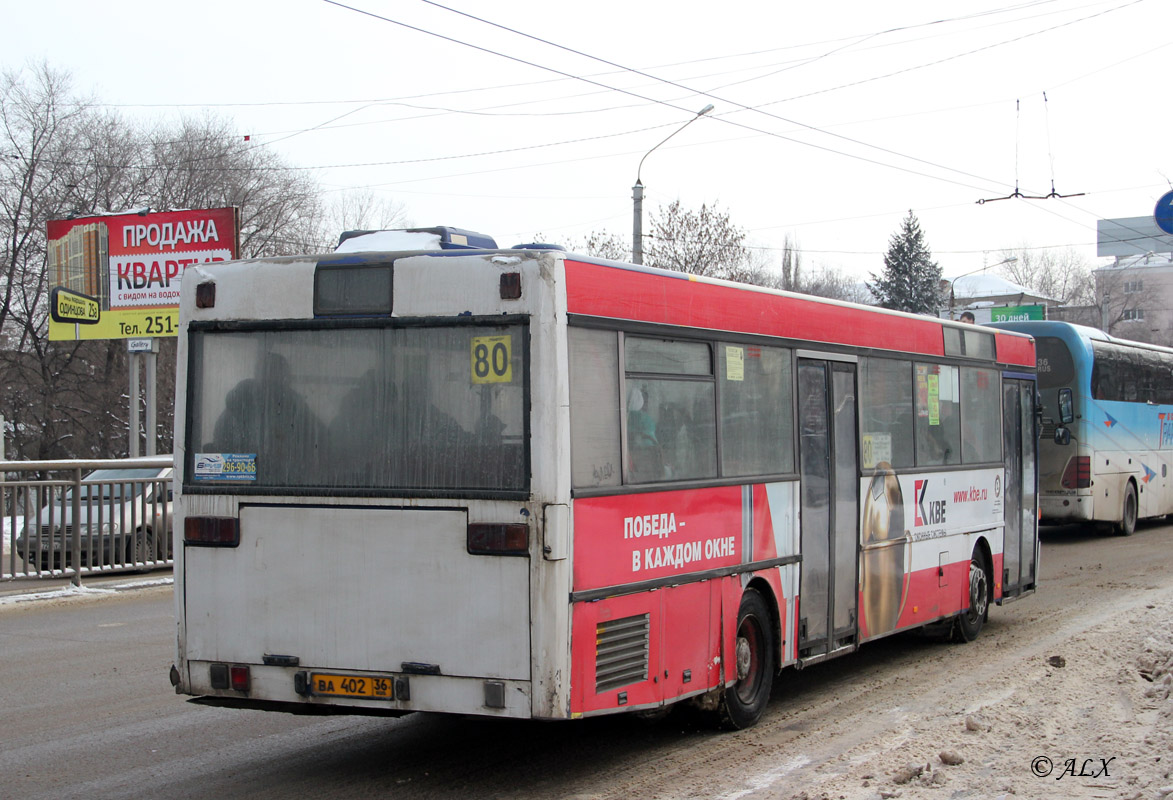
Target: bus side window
[938, 423]
[754, 385]
[885, 407]
[594, 408]
[671, 381]
[981, 400]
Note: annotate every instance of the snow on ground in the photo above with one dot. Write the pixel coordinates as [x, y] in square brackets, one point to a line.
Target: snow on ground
[84, 591]
[1092, 719]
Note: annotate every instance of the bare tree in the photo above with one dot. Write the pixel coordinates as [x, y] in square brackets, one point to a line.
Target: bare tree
[359, 210]
[204, 163]
[601, 244]
[791, 264]
[706, 242]
[836, 285]
[60, 157]
[47, 389]
[701, 242]
[1064, 274]
[40, 133]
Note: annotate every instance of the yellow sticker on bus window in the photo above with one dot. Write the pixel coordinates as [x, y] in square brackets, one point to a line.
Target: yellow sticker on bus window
[934, 399]
[492, 359]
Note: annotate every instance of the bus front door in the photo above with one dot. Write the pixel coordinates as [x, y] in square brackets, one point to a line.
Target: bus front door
[1020, 545]
[829, 472]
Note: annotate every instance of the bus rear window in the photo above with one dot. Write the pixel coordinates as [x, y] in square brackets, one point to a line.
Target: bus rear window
[360, 408]
[1054, 363]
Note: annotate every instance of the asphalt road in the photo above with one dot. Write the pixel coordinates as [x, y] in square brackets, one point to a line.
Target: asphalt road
[86, 710]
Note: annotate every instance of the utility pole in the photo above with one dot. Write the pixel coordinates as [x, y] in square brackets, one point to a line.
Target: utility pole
[637, 194]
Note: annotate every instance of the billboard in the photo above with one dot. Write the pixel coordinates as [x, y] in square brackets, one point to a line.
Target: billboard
[1016, 313]
[117, 276]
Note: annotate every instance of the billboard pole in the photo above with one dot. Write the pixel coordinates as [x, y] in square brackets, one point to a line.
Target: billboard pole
[151, 415]
[138, 351]
[134, 396]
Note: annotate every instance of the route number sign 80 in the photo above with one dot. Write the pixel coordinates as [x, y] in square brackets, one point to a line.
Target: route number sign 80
[492, 359]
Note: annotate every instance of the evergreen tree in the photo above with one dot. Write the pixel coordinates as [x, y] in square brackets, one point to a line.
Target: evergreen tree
[911, 279]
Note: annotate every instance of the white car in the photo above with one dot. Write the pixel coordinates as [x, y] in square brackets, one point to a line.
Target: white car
[125, 519]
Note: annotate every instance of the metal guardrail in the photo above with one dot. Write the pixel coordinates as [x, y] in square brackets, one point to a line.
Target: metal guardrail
[61, 522]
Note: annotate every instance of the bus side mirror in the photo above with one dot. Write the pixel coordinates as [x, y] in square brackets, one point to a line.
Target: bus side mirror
[1066, 407]
[1062, 436]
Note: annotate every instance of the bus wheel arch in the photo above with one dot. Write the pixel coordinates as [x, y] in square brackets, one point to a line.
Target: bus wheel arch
[1129, 509]
[743, 702]
[979, 593]
[762, 587]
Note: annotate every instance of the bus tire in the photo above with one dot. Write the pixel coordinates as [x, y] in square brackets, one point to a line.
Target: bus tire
[743, 703]
[1127, 524]
[971, 619]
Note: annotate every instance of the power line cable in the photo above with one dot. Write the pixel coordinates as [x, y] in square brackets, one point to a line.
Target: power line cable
[710, 96]
[527, 84]
[725, 120]
[757, 109]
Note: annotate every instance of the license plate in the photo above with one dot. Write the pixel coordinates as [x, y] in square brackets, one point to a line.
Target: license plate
[330, 685]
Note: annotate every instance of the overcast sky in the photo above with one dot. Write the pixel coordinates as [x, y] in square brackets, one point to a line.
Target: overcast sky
[831, 119]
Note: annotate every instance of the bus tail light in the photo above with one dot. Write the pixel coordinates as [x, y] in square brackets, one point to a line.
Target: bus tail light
[211, 531]
[239, 676]
[229, 676]
[206, 295]
[498, 539]
[1078, 474]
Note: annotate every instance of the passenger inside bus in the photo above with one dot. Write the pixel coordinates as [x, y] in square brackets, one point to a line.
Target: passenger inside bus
[646, 458]
[367, 433]
[291, 432]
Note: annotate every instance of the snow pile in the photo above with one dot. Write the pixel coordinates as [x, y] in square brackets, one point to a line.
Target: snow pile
[1155, 665]
[381, 241]
[55, 594]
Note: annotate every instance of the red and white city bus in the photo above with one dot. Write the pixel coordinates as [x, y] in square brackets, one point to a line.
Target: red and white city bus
[435, 475]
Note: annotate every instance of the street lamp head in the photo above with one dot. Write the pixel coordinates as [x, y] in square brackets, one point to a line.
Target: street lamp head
[638, 191]
[698, 115]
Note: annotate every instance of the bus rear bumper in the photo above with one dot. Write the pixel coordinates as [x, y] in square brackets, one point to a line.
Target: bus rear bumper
[292, 690]
[1060, 509]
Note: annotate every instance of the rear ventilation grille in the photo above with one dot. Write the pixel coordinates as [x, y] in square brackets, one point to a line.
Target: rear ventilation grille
[621, 652]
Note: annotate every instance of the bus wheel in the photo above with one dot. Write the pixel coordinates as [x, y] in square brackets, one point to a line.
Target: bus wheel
[1127, 524]
[970, 621]
[743, 703]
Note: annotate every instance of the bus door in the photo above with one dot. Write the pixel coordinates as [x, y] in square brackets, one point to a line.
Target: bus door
[829, 474]
[1020, 543]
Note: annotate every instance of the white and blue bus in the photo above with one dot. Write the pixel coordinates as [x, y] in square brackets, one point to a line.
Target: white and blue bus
[1107, 434]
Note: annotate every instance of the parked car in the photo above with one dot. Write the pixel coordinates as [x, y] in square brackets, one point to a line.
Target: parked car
[125, 519]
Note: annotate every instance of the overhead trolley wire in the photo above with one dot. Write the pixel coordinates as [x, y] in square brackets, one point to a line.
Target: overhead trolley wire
[665, 103]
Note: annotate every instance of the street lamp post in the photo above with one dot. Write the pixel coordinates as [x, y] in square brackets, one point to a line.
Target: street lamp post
[637, 194]
[1010, 260]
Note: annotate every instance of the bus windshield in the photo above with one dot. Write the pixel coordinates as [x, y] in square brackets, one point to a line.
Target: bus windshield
[366, 408]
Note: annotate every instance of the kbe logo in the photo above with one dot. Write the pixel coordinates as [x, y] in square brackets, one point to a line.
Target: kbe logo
[933, 513]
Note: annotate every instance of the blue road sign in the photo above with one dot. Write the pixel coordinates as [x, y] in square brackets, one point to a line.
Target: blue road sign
[1164, 212]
